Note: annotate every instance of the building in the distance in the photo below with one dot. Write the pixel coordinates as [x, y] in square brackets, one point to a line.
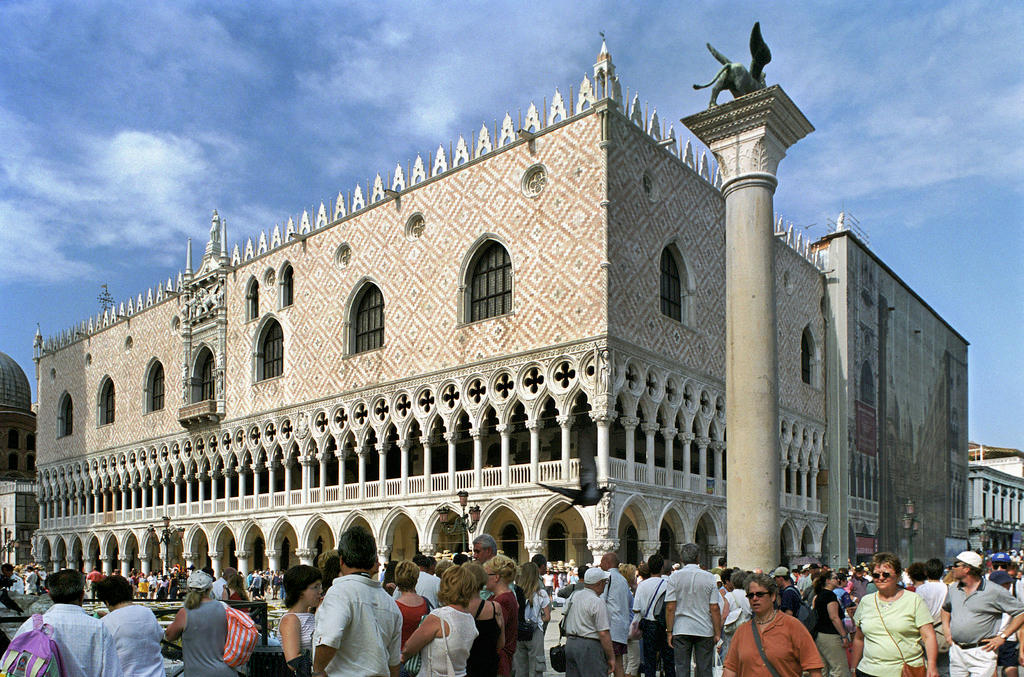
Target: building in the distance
[456, 326]
[996, 497]
[19, 511]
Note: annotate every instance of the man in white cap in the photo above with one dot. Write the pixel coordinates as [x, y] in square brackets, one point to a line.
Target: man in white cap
[587, 629]
[971, 618]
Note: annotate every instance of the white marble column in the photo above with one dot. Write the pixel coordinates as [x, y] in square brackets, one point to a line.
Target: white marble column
[274, 559]
[669, 434]
[749, 137]
[649, 428]
[288, 481]
[451, 439]
[534, 428]
[504, 430]
[565, 422]
[271, 481]
[362, 452]
[428, 469]
[215, 563]
[629, 424]
[603, 421]
[403, 462]
[243, 561]
[382, 475]
[478, 458]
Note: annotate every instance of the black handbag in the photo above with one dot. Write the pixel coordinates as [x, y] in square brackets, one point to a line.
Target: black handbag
[556, 654]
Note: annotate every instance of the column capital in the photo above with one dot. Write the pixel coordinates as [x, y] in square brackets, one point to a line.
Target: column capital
[382, 447]
[242, 554]
[649, 427]
[534, 547]
[428, 549]
[452, 436]
[533, 425]
[504, 429]
[188, 555]
[426, 440]
[601, 546]
[383, 552]
[304, 553]
[629, 422]
[564, 421]
[603, 417]
[215, 554]
[703, 441]
[669, 433]
[404, 444]
[648, 548]
[750, 135]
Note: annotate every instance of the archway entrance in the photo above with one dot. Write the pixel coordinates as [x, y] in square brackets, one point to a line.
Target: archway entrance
[320, 539]
[704, 537]
[404, 539]
[201, 550]
[507, 530]
[565, 535]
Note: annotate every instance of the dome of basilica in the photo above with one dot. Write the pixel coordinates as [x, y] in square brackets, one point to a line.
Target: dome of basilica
[14, 390]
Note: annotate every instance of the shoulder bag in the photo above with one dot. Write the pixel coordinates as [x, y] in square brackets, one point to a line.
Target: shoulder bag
[760, 649]
[908, 669]
[556, 654]
[634, 627]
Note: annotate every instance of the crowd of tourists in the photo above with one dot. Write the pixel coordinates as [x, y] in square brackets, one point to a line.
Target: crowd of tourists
[484, 615]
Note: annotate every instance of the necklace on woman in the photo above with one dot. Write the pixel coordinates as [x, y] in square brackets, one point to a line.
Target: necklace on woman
[767, 620]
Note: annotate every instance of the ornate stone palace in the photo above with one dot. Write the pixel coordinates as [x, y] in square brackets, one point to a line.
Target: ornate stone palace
[454, 326]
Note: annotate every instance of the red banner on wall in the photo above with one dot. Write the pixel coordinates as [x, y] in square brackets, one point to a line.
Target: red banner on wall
[867, 545]
[867, 429]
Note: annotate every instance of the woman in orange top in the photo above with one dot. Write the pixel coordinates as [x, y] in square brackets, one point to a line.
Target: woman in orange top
[787, 644]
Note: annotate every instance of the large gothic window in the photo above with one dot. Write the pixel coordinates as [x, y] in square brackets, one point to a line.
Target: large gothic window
[671, 287]
[252, 300]
[807, 356]
[287, 286]
[270, 352]
[106, 402]
[368, 322]
[65, 416]
[202, 377]
[490, 283]
[155, 388]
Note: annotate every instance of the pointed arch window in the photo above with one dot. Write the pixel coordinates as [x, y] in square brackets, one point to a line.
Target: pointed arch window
[368, 322]
[490, 283]
[252, 300]
[809, 358]
[13, 439]
[155, 388]
[671, 291]
[65, 416]
[287, 286]
[270, 352]
[203, 384]
[106, 402]
[867, 384]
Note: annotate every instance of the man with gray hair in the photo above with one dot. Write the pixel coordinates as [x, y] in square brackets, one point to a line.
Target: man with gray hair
[86, 647]
[692, 613]
[484, 548]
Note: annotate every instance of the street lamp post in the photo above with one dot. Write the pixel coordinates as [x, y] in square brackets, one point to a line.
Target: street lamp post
[8, 545]
[463, 524]
[166, 537]
[911, 524]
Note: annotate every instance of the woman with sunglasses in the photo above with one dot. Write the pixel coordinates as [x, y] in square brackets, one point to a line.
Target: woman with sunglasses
[770, 637]
[891, 625]
[832, 639]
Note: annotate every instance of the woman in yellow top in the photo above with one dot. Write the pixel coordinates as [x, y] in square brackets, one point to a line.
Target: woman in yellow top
[143, 586]
[891, 624]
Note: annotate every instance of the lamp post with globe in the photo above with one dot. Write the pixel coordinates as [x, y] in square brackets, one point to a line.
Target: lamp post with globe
[166, 536]
[463, 524]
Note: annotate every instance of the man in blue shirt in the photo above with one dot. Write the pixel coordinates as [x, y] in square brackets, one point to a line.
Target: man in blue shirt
[789, 597]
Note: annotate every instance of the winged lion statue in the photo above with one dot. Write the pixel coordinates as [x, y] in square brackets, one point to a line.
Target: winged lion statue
[734, 76]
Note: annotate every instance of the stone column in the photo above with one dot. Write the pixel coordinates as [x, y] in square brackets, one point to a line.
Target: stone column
[648, 548]
[243, 561]
[167, 494]
[670, 435]
[749, 137]
[144, 565]
[603, 420]
[702, 455]
[190, 559]
[188, 494]
[271, 480]
[361, 476]
[534, 548]
[602, 546]
[108, 565]
[534, 428]
[629, 424]
[274, 557]
[382, 469]
[305, 556]
[428, 470]
[215, 563]
[649, 428]
[126, 565]
[288, 481]
[306, 462]
[323, 476]
[566, 424]
[478, 458]
[403, 447]
[242, 487]
[451, 439]
[505, 432]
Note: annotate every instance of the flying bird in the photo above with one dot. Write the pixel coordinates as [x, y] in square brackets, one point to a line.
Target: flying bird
[589, 492]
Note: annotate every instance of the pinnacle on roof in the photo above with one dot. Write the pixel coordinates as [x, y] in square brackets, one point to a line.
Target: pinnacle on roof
[604, 55]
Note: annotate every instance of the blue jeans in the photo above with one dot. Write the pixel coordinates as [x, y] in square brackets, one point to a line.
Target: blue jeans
[655, 642]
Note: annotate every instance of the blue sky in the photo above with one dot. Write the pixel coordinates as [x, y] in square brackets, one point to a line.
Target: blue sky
[123, 125]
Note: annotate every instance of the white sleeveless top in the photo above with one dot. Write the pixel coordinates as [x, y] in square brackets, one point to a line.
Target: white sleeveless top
[307, 622]
[455, 645]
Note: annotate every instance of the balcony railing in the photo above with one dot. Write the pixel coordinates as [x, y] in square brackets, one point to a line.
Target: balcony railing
[199, 413]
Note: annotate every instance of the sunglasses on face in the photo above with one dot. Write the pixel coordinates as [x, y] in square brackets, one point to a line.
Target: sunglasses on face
[759, 594]
[884, 575]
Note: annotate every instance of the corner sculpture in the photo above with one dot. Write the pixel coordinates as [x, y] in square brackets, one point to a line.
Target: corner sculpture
[734, 76]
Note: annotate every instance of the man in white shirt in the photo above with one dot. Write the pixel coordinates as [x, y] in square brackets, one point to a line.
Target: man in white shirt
[86, 647]
[358, 626]
[220, 586]
[648, 603]
[586, 629]
[691, 607]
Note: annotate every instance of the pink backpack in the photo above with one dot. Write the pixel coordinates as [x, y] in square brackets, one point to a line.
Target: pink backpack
[34, 653]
